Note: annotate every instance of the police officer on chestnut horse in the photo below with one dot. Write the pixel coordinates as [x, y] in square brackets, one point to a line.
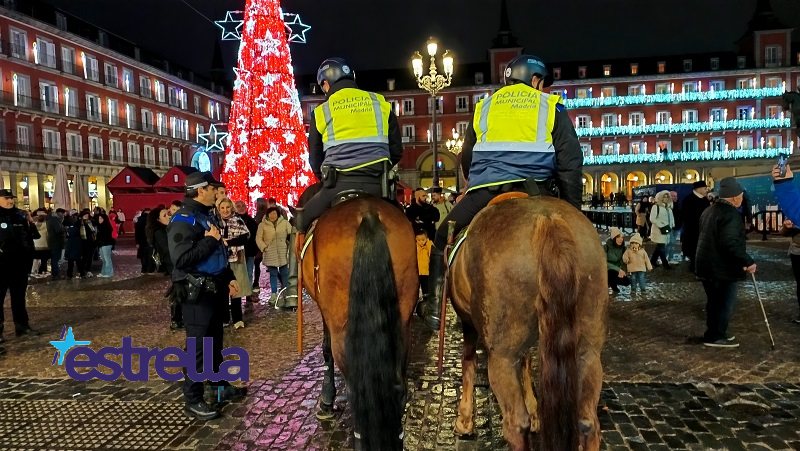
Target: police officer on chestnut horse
[520, 139]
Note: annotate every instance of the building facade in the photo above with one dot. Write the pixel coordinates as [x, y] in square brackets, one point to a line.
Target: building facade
[640, 121]
[75, 95]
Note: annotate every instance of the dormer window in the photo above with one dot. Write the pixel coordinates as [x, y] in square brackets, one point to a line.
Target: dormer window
[607, 70]
[741, 62]
[478, 78]
[687, 65]
[714, 63]
[557, 73]
[662, 67]
[582, 72]
[390, 84]
[634, 69]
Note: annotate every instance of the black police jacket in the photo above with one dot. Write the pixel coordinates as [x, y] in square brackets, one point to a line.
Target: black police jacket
[190, 250]
[15, 238]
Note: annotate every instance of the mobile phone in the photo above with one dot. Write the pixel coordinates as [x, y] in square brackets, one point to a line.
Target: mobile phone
[782, 159]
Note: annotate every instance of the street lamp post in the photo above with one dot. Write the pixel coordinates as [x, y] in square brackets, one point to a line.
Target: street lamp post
[454, 145]
[433, 83]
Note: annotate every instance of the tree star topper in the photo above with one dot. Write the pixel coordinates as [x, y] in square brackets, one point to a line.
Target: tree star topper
[296, 29]
[215, 141]
[231, 29]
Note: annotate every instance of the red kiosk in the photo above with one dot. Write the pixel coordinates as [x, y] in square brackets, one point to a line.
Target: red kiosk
[171, 186]
[133, 189]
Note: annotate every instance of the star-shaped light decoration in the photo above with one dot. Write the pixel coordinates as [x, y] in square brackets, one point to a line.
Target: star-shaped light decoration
[215, 141]
[255, 180]
[289, 137]
[272, 159]
[230, 159]
[231, 28]
[269, 45]
[295, 28]
[242, 78]
[271, 121]
[292, 99]
[255, 194]
[66, 343]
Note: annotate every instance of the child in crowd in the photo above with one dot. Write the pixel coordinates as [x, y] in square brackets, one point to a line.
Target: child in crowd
[424, 246]
[638, 263]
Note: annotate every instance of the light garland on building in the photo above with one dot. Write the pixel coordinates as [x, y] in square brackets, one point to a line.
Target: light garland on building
[644, 99]
[684, 127]
[660, 157]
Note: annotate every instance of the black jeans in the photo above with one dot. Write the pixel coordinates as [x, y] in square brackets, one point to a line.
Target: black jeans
[660, 251]
[423, 283]
[721, 296]
[204, 319]
[87, 252]
[796, 270]
[463, 212]
[614, 280]
[321, 201]
[14, 280]
[257, 270]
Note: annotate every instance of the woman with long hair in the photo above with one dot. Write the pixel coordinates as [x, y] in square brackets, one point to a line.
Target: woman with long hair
[235, 234]
[156, 232]
[104, 242]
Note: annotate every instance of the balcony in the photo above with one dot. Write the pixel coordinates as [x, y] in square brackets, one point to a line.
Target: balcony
[10, 150]
[112, 80]
[642, 99]
[709, 155]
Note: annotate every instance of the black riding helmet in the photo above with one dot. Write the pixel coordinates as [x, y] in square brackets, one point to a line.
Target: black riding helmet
[522, 68]
[333, 70]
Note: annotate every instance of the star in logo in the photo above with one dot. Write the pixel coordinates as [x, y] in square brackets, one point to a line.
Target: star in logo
[231, 29]
[214, 140]
[66, 343]
[295, 28]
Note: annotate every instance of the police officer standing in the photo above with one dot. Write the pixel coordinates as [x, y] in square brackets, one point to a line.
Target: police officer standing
[16, 250]
[202, 281]
[353, 134]
[520, 139]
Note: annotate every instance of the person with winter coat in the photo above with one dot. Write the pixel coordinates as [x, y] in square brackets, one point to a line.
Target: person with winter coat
[663, 222]
[88, 244]
[638, 263]
[235, 235]
[692, 207]
[788, 229]
[641, 211]
[143, 250]
[104, 242]
[617, 269]
[73, 252]
[272, 239]
[55, 239]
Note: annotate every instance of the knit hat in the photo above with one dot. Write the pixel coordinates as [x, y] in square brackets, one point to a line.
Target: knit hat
[729, 187]
[636, 238]
[614, 232]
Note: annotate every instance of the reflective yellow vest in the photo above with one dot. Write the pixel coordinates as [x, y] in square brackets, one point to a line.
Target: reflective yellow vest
[514, 129]
[354, 125]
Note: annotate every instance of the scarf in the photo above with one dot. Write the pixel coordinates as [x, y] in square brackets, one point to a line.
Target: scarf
[236, 228]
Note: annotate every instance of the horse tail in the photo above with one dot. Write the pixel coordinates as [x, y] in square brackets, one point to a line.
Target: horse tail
[558, 257]
[373, 341]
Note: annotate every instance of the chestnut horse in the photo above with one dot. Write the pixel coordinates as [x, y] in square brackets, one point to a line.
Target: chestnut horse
[528, 262]
[361, 270]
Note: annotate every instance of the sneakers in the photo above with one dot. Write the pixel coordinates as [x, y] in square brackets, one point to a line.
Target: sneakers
[256, 290]
[729, 342]
[201, 411]
[238, 325]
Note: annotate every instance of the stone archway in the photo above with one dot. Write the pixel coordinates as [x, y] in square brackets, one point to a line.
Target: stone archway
[609, 183]
[663, 177]
[588, 184]
[632, 180]
[448, 168]
[689, 176]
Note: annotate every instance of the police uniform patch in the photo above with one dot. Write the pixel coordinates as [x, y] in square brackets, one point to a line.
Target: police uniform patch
[346, 69]
[508, 72]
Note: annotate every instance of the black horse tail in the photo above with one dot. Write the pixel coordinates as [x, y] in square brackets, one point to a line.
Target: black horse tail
[558, 259]
[373, 341]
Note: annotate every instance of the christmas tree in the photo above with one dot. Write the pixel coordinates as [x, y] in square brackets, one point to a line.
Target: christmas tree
[267, 155]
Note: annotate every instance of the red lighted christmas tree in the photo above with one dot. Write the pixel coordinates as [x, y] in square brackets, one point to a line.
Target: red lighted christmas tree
[267, 155]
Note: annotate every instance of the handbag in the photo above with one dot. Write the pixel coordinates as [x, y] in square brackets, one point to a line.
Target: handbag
[666, 229]
[156, 259]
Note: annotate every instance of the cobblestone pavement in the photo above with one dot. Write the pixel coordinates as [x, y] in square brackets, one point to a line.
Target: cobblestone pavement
[662, 389]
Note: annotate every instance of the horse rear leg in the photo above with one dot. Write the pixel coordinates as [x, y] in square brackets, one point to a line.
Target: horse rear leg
[328, 395]
[527, 388]
[464, 422]
[591, 383]
[505, 378]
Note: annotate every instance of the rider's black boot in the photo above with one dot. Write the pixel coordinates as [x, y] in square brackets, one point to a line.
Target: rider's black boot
[433, 307]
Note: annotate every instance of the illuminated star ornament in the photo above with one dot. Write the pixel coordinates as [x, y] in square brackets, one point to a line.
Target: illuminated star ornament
[66, 343]
[295, 28]
[231, 28]
[215, 141]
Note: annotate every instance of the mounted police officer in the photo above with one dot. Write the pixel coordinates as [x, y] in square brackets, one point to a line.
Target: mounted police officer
[354, 136]
[520, 139]
[16, 250]
[202, 281]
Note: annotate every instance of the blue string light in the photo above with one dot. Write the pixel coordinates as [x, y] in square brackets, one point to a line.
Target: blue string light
[644, 99]
[710, 155]
[684, 127]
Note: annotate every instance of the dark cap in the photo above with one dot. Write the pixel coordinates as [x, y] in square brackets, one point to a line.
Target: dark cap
[699, 184]
[436, 190]
[729, 187]
[6, 193]
[200, 179]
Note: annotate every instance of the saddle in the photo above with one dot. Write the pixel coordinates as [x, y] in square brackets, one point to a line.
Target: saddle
[458, 240]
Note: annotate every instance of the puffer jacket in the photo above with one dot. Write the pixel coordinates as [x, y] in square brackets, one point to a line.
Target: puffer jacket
[661, 216]
[272, 239]
[614, 255]
[721, 248]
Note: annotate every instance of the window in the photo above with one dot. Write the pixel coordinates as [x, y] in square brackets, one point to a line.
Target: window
[687, 65]
[23, 95]
[161, 123]
[745, 142]
[390, 84]
[45, 52]
[49, 92]
[185, 102]
[772, 55]
[19, 44]
[24, 137]
[462, 104]
[102, 38]
[716, 85]
[637, 147]
[93, 111]
[690, 116]
[582, 72]
[557, 73]
[395, 107]
[690, 145]
[71, 102]
[130, 115]
[145, 87]
[182, 129]
[773, 82]
[478, 78]
[51, 141]
[662, 117]
[127, 80]
[439, 105]
[211, 109]
[744, 113]
[662, 88]
[610, 148]
[438, 132]
[61, 21]
[90, 67]
[196, 104]
[176, 157]
[636, 119]
[311, 107]
[663, 146]
[478, 97]
[113, 111]
[714, 63]
[716, 114]
[586, 148]
[74, 145]
[773, 112]
[583, 93]
[741, 62]
[583, 121]
[745, 83]
[67, 60]
[689, 86]
[609, 120]
[149, 155]
[662, 67]
[115, 150]
[111, 75]
[461, 128]
[160, 96]
[608, 91]
[163, 157]
[773, 141]
[95, 147]
[634, 90]
[607, 70]
[634, 69]
[173, 96]
[408, 133]
[717, 144]
[408, 107]
[147, 120]
[134, 153]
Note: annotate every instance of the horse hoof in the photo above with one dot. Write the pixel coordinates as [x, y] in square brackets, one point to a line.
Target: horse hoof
[464, 428]
[325, 412]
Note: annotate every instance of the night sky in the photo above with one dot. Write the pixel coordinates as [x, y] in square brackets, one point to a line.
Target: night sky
[375, 34]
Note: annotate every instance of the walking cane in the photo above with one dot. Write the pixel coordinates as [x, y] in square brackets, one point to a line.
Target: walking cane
[451, 225]
[758, 294]
[299, 305]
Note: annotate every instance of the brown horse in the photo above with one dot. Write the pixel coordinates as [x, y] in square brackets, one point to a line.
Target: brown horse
[546, 268]
[361, 270]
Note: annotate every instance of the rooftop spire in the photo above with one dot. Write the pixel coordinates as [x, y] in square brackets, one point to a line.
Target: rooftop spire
[764, 18]
[504, 36]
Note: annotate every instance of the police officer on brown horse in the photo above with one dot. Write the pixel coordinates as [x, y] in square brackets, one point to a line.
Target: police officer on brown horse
[520, 139]
[353, 137]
